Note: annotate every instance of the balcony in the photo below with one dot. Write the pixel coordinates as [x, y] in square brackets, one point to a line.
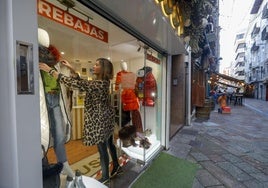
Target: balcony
[254, 47]
[264, 33]
[240, 77]
[238, 55]
[255, 31]
[264, 12]
[240, 50]
[239, 69]
[239, 64]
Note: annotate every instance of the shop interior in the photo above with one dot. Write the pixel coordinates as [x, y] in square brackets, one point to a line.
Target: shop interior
[81, 51]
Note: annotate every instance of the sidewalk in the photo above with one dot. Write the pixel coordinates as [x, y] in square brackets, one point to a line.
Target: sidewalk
[232, 149]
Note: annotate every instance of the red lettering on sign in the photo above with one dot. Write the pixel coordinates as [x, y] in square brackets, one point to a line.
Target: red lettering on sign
[54, 13]
[153, 59]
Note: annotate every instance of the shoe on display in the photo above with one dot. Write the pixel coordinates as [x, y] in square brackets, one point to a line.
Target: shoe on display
[116, 171]
[69, 182]
[147, 132]
[78, 180]
[144, 143]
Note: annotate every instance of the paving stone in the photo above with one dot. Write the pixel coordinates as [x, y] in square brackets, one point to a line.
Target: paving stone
[259, 157]
[260, 176]
[254, 184]
[199, 156]
[231, 158]
[226, 179]
[197, 184]
[248, 168]
[216, 158]
[189, 131]
[265, 184]
[191, 159]
[179, 153]
[195, 143]
[182, 138]
[234, 171]
[265, 170]
[206, 179]
[236, 150]
[256, 164]
[186, 138]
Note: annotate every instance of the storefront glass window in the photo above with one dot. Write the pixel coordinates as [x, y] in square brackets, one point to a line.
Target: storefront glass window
[81, 38]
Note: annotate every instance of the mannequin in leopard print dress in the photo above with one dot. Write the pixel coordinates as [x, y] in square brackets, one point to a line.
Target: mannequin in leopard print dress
[99, 115]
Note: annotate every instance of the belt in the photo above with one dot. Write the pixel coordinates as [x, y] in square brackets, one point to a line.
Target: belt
[52, 92]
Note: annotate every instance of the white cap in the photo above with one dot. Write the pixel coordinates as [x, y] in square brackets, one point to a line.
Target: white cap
[43, 37]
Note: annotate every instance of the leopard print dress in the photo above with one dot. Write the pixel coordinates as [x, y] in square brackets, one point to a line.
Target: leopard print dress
[99, 115]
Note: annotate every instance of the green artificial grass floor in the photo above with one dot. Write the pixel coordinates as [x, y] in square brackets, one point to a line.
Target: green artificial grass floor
[167, 171]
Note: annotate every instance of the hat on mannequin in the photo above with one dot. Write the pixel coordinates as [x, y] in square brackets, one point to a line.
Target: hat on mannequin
[43, 37]
[47, 53]
[124, 66]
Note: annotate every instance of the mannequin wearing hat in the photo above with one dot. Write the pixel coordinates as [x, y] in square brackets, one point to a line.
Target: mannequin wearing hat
[57, 116]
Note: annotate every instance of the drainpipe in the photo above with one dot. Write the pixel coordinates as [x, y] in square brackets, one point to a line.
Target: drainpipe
[188, 86]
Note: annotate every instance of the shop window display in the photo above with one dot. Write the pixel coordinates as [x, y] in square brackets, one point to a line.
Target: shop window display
[141, 94]
[136, 137]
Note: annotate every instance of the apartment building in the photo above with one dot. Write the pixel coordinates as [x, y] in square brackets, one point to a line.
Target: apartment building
[238, 69]
[256, 69]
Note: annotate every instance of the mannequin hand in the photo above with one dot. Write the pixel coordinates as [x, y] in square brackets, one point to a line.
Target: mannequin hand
[44, 67]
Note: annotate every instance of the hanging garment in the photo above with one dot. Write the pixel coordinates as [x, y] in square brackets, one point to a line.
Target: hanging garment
[146, 87]
[136, 120]
[129, 100]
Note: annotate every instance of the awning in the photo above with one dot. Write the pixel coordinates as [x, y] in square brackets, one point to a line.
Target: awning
[228, 85]
[226, 77]
[225, 80]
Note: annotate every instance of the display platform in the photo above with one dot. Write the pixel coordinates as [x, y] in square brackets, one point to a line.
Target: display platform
[88, 181]
[140, 153]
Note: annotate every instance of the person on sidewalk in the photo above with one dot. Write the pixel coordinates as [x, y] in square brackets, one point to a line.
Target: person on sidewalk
[99, 115]
[222, 102]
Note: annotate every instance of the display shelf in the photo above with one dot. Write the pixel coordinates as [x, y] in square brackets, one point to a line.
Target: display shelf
[137, 152]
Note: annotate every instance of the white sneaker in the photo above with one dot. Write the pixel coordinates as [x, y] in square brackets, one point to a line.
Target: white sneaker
[78, 180]
[66, 170]
[69, 182]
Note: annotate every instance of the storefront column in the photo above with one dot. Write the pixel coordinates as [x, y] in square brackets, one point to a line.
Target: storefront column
[20, 134]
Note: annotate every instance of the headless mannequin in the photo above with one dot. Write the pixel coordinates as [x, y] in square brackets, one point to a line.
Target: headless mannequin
[129, 98]
[125, 119]
[43, 39]
[119, 74]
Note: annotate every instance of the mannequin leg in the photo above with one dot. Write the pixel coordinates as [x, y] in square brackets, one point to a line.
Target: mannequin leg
[57, 131]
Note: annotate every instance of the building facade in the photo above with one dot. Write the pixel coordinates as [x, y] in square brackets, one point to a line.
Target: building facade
[257, 50]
